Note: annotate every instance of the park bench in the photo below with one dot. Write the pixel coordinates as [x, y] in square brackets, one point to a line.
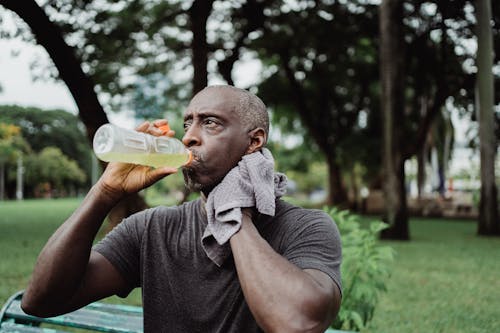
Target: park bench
[95, 317]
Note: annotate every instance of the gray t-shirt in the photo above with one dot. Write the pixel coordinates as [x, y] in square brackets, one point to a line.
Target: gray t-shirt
[160, 250]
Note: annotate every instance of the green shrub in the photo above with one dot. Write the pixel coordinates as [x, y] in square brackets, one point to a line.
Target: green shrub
[365, 269]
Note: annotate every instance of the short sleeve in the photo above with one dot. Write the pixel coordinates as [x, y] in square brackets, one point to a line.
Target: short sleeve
[122, 247]
[314, 243]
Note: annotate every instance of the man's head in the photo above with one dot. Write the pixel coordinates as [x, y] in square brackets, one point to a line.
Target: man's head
[221, 123]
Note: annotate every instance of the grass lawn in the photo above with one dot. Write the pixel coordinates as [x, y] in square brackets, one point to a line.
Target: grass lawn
[24, 228]
[445, 280]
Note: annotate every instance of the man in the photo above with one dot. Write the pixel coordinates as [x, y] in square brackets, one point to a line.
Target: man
[277, 273]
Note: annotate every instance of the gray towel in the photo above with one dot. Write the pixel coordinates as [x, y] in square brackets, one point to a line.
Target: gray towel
[252, 183]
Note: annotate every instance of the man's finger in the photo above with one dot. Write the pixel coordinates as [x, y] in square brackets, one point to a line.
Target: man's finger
[159, 173]
[143, 127]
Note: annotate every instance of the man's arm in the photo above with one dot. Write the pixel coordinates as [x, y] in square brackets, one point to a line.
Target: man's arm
[281, 296]
[67, 274]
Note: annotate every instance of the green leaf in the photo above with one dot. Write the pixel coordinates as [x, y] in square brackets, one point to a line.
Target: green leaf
[365, 268]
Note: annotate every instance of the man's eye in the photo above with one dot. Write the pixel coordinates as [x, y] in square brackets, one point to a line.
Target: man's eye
[186, 125]
[209, 122]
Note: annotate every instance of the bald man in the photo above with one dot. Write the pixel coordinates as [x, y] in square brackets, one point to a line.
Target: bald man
[282, 271]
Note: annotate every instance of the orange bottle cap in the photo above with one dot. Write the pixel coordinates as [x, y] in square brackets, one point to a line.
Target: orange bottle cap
[190, 159]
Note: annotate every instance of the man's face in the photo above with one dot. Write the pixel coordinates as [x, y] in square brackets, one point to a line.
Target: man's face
[215, 135]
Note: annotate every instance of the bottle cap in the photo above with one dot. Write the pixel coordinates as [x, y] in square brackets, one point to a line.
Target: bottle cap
[190, 159]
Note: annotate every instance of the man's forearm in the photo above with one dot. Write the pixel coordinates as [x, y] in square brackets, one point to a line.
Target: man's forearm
[62, 262]
[281, 296]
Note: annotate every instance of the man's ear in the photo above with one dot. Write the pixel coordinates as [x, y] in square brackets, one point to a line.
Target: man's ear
[258, 139]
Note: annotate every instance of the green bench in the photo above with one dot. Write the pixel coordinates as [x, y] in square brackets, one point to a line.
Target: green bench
[95, 317]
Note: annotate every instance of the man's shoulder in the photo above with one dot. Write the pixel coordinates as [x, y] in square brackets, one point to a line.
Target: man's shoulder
[285, 208]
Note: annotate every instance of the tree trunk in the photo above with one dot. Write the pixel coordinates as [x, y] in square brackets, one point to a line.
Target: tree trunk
[446, 151]
[421, 174]
[19, 178]
[337, 194]
[488, 210]
[399, 229]
[198, 15]
[422, 151]
[2, 180]
[79, 84]
[392, 103]
[354, 205]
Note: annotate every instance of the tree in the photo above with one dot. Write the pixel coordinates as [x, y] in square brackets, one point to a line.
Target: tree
[334, 88]
[44, 128]
[49, 128]
[392, 99]
[488, 209]
[423, 90]
[12, 146]
[434, 72]
[52, 172]
[158, 41]
[323, 85]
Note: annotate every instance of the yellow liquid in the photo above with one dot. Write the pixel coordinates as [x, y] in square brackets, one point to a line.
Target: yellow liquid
[154, 160]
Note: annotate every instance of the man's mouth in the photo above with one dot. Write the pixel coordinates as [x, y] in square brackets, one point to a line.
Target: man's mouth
[198, 156]
[196, 161]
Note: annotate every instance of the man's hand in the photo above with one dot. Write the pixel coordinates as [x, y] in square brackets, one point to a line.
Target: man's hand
[122, 178]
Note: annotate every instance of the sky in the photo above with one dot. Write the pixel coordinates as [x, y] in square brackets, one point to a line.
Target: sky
[16, 82]
[19, 88]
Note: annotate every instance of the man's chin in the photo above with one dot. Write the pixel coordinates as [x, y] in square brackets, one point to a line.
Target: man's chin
[193, 184]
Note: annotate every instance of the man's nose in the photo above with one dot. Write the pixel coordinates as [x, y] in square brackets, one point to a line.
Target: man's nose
[191, 137]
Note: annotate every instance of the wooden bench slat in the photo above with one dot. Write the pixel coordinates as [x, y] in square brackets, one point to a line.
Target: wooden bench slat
[116, 308]
[117, 319]
[9, 327]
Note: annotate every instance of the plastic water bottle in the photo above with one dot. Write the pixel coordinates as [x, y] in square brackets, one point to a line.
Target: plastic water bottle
[117, 144]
